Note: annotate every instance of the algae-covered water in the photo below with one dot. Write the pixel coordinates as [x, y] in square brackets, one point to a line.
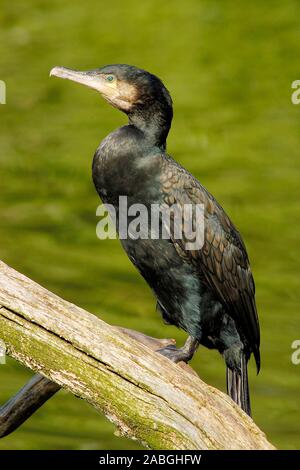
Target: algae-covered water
[229, 66]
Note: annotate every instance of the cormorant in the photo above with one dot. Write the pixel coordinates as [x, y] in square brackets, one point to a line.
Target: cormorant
[208, 292]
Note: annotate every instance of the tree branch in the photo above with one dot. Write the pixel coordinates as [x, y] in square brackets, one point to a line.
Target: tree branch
[148, 397]
[29, 399]
[39, 389]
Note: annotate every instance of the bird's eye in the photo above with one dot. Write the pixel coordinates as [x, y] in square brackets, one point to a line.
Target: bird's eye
[110, 78]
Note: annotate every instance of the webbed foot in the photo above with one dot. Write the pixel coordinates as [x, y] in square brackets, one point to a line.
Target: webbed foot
[184, 354]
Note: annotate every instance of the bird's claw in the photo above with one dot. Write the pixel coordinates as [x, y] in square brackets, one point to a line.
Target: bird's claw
[173, 353]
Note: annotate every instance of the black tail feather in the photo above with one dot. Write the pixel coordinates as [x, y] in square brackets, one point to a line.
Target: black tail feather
[238, 386]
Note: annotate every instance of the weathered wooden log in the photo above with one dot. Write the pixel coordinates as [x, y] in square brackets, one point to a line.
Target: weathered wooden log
[148, 397]
[39, 389]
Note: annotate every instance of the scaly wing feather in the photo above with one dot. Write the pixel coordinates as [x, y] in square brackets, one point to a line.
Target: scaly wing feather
[223, 259]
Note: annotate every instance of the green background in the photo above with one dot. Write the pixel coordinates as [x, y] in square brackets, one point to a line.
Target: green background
[229, 66]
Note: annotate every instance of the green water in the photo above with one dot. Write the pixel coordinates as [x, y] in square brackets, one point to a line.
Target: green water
[229, 66]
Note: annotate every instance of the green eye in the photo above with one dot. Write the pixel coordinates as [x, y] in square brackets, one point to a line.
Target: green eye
[110, 78]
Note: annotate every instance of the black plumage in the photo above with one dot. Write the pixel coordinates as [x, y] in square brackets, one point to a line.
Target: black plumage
[209, 292]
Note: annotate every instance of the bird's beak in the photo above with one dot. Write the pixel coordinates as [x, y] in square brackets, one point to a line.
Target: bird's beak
[90, 79]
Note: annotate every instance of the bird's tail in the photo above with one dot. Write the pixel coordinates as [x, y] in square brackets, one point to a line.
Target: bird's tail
[238, 386]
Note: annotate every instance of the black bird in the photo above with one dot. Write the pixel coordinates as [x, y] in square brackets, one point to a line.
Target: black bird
[209, 292]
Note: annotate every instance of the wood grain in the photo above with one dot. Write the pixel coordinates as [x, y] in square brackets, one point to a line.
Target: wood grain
[147, 397]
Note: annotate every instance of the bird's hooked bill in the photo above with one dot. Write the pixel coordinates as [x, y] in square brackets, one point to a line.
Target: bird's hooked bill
[89, 78]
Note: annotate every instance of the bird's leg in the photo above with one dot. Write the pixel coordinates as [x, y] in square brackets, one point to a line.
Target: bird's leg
[180, 354]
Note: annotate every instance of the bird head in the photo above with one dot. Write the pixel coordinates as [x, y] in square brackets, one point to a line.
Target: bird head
[125, 87]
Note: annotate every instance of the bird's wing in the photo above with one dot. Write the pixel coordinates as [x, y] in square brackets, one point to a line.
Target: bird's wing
[223, 259]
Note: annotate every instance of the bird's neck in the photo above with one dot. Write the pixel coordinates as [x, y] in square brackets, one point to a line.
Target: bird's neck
[154, 121]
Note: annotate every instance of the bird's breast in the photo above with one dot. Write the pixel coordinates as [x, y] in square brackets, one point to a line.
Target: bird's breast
[123, 165]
